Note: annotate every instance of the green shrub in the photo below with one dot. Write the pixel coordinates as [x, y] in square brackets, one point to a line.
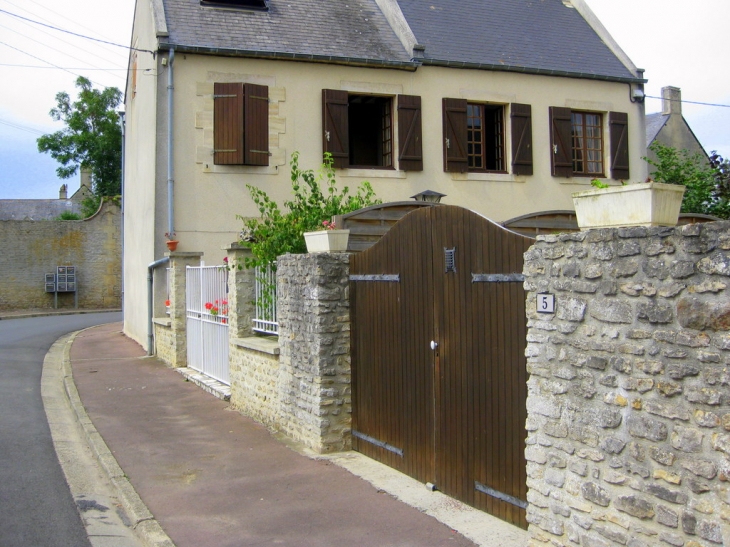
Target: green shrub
[68, 215]
[316, 199]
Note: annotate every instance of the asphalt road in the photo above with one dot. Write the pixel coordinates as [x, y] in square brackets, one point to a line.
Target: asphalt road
[36, 507]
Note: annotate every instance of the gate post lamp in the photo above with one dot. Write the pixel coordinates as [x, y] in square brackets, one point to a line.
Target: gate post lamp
[429, 195]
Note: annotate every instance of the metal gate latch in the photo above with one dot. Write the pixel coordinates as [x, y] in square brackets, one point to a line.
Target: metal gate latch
[434, 345]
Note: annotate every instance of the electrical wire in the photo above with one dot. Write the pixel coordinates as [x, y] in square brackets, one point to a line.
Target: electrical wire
[21, 127]
[688, 102]
[76, 34]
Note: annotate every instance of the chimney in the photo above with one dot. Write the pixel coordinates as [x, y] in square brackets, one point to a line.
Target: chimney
[671, 101]
[63, 192]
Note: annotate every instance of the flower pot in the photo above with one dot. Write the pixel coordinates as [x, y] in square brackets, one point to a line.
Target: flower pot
[644, 204]
[326, 241]
[172, 244]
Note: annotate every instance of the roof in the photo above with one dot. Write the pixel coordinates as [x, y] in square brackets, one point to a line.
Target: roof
[538, 35]
[535, 36]
[654, 123]
[316, 29]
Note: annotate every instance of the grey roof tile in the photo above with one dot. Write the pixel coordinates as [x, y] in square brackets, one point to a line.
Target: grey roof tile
[654, 123]
[330, 28]
[540, 35]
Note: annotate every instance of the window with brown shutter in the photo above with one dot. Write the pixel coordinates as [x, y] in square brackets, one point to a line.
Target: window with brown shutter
[358, 130]
[521, 116]
[561, 142]
[619, 130]
[240, 124]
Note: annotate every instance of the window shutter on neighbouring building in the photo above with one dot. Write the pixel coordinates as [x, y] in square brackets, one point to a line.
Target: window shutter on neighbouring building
[561, 142]
[256, 124]
[335, 138]
[228, 111]
[410, 134]
[619, 131]
[521, 116]
[455, 135]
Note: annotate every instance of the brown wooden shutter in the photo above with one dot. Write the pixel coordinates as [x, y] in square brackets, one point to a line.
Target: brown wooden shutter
[228, 124]
[561, 142]
[410, 133]
[455, 143]
[521, 116]
[618, 123]
[335, 126]
[256, 124]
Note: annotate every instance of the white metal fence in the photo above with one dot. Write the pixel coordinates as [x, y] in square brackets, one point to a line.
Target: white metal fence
[265, 320]
[207, 320]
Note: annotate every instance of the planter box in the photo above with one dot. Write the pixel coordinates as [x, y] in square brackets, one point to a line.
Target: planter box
[644, 204]
[326, 241]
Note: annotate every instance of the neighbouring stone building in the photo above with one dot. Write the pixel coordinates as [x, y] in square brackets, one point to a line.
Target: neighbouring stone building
[629, 394]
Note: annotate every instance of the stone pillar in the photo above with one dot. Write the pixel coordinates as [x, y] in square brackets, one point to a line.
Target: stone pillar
[314, 336]
[178, 264]
[241, 281]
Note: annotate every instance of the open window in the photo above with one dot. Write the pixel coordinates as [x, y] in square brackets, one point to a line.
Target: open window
[578, 144]
[475, 135]
[359, 130]
[240, 124]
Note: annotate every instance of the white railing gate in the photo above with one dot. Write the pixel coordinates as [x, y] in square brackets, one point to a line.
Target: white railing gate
[207, 321]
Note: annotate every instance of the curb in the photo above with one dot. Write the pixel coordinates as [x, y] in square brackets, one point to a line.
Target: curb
[142, 520]
[43, 313]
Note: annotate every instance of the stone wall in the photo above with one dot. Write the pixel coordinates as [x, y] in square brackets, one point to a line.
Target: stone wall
[629, 390]
[32, 249]
[314, 334]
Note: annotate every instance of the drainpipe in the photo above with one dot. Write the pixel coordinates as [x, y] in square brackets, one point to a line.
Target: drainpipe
[122, 123]
[170, 150]
[150, 304]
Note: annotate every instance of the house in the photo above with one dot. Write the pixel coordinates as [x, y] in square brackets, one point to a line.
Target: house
[47, 209]
[669, 127]
[507, 107]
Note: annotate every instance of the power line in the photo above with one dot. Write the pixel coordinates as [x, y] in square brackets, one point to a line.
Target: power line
[22, 127]
[687, 102]
[68, 67]
[76, 34]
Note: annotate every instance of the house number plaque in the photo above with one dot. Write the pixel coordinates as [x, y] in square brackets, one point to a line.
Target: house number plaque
[545, 303]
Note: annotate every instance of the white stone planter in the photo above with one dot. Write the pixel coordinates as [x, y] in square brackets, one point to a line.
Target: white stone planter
[643, 204]
[326, 241]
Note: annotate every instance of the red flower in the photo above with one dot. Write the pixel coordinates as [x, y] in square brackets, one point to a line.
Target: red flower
[167, 303]
[208, 305]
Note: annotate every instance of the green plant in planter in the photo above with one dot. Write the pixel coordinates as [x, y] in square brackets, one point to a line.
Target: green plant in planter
[316, 199]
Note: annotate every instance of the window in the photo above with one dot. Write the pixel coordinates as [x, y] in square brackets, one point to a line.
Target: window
[240, 124]
[475, 133]
[244, 4]
[578, 144]
[485, 137]
[359, 132]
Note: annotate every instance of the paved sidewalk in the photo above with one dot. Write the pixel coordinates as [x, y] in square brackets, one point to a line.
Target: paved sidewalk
[212, 477]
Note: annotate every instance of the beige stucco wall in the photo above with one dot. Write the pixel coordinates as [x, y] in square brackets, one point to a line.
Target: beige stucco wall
[142, 242]
[207, 198]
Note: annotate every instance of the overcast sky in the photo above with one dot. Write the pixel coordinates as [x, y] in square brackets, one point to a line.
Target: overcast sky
[679, 43]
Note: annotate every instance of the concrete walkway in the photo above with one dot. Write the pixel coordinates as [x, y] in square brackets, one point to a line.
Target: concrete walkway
[209, 476]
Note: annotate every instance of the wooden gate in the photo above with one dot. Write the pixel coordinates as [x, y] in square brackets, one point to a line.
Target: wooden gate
[438, 340]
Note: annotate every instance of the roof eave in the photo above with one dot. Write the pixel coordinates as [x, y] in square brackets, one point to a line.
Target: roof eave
[287, 56]
[532, 70]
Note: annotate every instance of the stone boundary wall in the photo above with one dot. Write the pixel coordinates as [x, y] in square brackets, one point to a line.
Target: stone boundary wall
[33, 248]
[298, 384]
[629, 391]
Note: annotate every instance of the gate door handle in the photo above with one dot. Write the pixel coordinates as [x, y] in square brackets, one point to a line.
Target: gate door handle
[434, 345]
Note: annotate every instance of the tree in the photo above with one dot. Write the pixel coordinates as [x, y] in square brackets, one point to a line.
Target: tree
[707, 179]
[92, 139]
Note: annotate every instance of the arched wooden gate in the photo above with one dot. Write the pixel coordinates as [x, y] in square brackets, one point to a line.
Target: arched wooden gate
[438, 340]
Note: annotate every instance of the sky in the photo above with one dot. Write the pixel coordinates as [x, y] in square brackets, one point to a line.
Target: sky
[679, 43]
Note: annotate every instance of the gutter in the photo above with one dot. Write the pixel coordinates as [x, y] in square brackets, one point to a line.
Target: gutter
[150, 288]
[529, 70]
[284, 56]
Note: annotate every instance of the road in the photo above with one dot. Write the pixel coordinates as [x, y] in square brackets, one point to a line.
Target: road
[36, 506]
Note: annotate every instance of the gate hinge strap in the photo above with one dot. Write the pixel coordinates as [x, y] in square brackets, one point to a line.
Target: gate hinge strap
[376, 442]
[484, 489]
[375, 277]
[497, 278]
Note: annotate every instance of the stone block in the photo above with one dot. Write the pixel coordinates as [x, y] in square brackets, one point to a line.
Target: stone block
[596, 494]
[646, 428]
[635, 506]
[610, 311]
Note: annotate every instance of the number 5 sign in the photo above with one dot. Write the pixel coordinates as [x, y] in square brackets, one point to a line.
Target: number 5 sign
[545, 303]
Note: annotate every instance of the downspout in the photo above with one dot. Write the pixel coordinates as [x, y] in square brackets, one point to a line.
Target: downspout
[150, 303]
[170, 149]
[122, 122]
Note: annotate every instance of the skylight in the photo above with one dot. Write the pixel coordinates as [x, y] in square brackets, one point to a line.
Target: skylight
[244, 4]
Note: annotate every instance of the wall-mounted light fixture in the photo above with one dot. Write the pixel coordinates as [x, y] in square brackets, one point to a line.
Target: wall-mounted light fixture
[429, 195]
